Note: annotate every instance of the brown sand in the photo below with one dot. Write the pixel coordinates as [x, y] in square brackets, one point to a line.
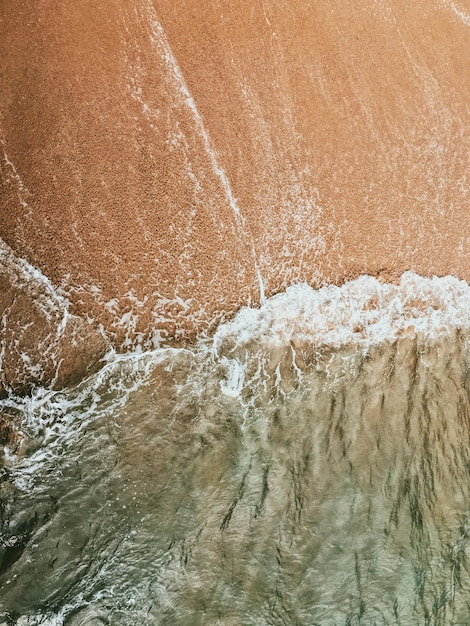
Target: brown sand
[342, 129]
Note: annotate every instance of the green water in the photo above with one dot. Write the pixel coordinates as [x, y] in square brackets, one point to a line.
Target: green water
[297, 485]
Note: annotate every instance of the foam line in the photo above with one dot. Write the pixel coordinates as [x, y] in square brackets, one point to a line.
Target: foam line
[219, 171]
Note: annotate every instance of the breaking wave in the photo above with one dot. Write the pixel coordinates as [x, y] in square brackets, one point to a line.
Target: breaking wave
[308, 464]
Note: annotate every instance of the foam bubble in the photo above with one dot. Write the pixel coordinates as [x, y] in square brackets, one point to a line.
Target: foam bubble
[261, 351]
[360, 312]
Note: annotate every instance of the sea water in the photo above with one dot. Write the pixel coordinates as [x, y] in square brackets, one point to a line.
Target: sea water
[308, 464]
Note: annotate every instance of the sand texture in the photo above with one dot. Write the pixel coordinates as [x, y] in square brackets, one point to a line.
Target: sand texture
[158, 158]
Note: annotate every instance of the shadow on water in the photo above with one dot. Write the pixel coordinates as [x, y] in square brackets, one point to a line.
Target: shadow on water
[297, 485]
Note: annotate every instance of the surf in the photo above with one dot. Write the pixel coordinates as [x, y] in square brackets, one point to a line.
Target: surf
[307, 463]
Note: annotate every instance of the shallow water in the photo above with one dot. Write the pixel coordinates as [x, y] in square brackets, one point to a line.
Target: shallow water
[310, 464]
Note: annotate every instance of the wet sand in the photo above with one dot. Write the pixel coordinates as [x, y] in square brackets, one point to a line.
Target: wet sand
[159, 157]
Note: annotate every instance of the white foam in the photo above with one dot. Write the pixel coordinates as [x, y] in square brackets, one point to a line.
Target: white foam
[22, 190]
[258, 351]
[465, 17]
[233, 384]
[266, 350]
[22, 274]
[363, 311]
[59, 418]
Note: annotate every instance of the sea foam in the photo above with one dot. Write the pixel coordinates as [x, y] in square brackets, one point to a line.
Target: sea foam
[363, 311]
